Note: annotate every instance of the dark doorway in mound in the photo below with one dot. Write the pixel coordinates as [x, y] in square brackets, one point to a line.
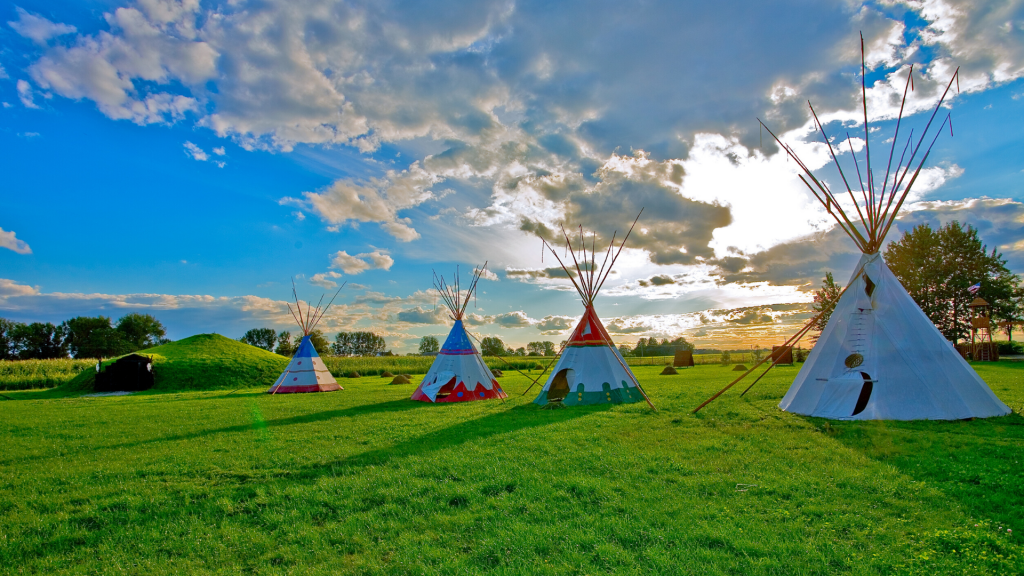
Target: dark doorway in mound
[133, 372]
[446, 390]
[559, 388]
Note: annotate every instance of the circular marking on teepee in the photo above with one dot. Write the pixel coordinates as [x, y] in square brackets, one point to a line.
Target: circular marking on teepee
[481, 394]
[294, 379]
[300, 361]
[460, 394]
[854, 360]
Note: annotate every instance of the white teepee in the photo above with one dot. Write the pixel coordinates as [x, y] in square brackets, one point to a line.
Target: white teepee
[458, 374]
[306, 372]
[590, 369]
[880, 357]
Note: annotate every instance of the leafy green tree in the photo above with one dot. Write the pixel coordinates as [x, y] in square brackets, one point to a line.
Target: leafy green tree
[8, 344]
[1012, 311]
[937, 266]
[549, 348]
[492, 346]
[285, 347]
[825, 299]
[319, 341]
[521, 351]
[140, 330]
[40, 340]
[725, 358]
[261, 338]
[94, 337]
[358, 344]
[535, 349]
[625, 350]
[429, 345]
[681, 343]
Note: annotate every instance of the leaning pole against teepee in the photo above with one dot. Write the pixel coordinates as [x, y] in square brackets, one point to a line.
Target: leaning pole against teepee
[880, 357]
[458, 374]
[306, 372]
[590, 369]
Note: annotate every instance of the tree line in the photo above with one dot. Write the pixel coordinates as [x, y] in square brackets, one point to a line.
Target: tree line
[79, 337]
[937, 267]
[345, 343]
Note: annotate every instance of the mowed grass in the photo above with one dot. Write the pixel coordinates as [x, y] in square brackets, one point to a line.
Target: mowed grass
[364, 481]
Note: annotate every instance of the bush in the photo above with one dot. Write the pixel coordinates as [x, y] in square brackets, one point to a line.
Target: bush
[1006, 348]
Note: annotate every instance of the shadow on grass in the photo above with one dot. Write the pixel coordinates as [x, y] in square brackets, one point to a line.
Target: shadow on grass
[517, 419]
[974, 462]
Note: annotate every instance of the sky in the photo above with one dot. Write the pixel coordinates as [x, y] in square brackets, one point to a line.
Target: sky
[189, 159]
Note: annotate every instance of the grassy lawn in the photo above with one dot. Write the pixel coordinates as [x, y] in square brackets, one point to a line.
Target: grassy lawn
[364, 481]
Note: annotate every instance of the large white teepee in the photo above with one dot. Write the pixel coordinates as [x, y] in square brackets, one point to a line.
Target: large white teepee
[590, 369]
[879, 356]
[306, 372]
[458, 374]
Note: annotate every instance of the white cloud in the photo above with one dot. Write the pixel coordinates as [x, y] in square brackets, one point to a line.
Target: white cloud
[11, 288]
[25, 95]
[195, 152]
[324, 279]
[37, 28]
[219, 151]
[486, 274]
[361, 262]
[9, 241]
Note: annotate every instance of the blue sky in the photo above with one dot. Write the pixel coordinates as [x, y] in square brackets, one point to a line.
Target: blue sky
[186, 159]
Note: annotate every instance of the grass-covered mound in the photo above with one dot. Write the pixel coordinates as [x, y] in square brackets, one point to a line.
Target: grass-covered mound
[202, 362]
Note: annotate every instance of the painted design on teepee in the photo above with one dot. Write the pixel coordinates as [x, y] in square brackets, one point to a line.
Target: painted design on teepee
[307, 371]
[880, 357]
[458, 374]
[590, 369]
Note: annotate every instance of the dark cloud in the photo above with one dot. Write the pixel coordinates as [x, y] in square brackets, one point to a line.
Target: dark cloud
[534, 274]
[421, 315]
[550, 325]
[517, 319]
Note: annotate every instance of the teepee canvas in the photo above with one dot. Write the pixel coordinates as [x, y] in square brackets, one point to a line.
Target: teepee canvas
[590, 369]
[306, 372]
[880, 357]
[458, 374]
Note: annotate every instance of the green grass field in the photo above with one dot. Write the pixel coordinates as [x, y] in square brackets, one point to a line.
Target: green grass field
[364, 481]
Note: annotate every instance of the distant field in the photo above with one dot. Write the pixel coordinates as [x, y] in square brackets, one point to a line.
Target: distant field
[364, 481]
[28, 374]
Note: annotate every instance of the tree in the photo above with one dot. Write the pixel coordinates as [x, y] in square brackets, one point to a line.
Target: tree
[284, 344]
[90, 337]
[358, 344]
[680, 343]
[261, 338]
[140, 330]
[825, 299]
[937, 266]
[319, 341]
[725, 358]
[429, 345]
[8, 343]
[519, 351]
[625, 350]
[40, 340]
[549, 348]
[535, 348]
[1012, 312]
[492, 346]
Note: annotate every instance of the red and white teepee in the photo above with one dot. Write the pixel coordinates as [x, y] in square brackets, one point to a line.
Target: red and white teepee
[590, 369]
[458, 374]
[306, 372]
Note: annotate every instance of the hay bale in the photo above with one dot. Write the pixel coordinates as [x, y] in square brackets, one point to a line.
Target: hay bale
[401, 379]
[739, 368]
[406, 376]
[353, 375]
[669, 371]
[387, 374]
[497, 373]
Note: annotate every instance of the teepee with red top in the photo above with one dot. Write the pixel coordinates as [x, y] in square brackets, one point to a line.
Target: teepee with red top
[590, 369]
[458, 374]
[307, 371]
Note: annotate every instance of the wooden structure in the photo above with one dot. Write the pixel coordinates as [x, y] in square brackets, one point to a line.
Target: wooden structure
[981, 348]
[782, 355]
[683, 358]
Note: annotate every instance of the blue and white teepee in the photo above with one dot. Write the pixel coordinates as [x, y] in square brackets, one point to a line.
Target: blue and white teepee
[306, 372]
